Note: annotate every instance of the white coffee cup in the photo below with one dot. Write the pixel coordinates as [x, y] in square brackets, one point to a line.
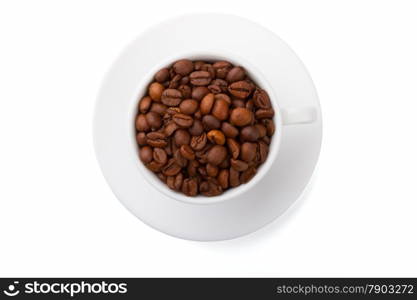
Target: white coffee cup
[284, 116]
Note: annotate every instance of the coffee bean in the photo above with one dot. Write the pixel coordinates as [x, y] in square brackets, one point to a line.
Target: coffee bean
[171, 97]
[247, 175]
[235, 74]
[204, 128]
[160, 156]
[142, 124]
[207, 104]
[162, 75]
[156, 139]
[196, 128]
[154, 120]
[234, 147]
[145, 104]
[187, 152]
[240, 89]
[199, 92]
[264, 113]
[189, 106]
[210, 122]
[216, 137]
[223, 178]
[183, 67]
[159, 108]
[222, 68]
[190, 187]
[234, 179]
[200, 78]
[229, 130]
[241, 116]
[211, 170]
[248, 151]
[216, 155]
[172, 168]
[145, 154]
[181, 137]
[220, 109]
[249, 134]
[261, 99]
[155, 91]
[182, 120]
[185, 91]
[141, 139]
[198, 142]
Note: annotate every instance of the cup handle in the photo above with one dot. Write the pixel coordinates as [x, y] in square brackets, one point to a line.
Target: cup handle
[293, 116]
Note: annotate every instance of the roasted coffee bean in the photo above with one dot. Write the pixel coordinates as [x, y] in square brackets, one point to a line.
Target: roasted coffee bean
[181, 160]
[171, 97]
[197, 128]
[199, 92]
[234, 148]
[162, 75]
[182, 137]
[210, 122]
[216, 137]
[154, 166]
[200, 78]
[204, 128]
[190, 187]
[220, 109]
[235, 74]
[216, 155]
[248, 151]
[198, 142]
[154, 120]
[183, 67]
[241, 89]
[249, 134]
[189, 106]
[241, 116]
[238, 165]
[185, 90]
[182, 120]
[261, 130]
[264, 113]
[142, 124]
[206, 104]
[156, 139]
[211, 170]
[159, 108]
[144, 104]
[170, 128]
[270, 127]
[222, 68]
[172, 168]
[145, 154]
[155, 91]
[234, 179]
[160, 156]
[175, 82]
[261, 99]
[223, 178]
[247, 175]
[141, 138]
[187, 152]
[229, 130]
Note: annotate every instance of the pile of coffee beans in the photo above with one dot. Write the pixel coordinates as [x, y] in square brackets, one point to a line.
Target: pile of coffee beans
[204, 127]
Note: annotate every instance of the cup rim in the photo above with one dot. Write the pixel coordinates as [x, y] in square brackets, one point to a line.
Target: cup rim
[208, 55]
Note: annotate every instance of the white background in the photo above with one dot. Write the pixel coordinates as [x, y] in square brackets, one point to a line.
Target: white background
[58, 217]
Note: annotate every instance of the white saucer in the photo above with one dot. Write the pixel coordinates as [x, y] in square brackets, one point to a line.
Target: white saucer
[273, 194]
